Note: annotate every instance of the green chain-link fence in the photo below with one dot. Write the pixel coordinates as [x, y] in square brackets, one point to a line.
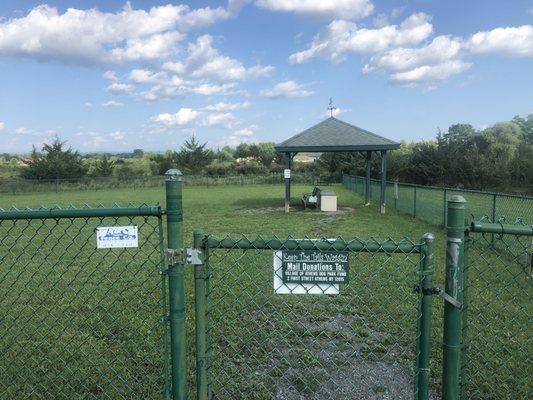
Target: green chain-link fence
[497, 345]
[77, 322]
[428, 203]
[309, 343]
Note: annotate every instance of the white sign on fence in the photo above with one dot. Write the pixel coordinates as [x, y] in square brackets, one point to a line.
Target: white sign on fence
[287, 173]
[298, 288]
[117, 237]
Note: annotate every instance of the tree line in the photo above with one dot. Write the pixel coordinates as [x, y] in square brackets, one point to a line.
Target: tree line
[497, 157]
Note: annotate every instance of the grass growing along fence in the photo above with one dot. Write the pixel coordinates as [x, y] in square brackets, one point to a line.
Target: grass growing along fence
[428, 203]
[14, 186]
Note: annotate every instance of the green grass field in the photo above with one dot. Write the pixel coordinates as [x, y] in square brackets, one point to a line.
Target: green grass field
[82, 323]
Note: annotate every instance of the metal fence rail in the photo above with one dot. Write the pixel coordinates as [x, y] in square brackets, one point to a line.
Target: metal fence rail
[76, 321]
[497, 325]
[362, 343]
[428, 203]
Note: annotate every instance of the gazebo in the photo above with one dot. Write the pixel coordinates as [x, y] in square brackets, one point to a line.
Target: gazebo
[334, 135]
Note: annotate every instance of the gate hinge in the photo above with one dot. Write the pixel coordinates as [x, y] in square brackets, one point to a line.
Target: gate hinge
[439, 292]
[175, 256]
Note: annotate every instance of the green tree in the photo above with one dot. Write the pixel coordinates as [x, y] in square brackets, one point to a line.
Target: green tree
[193, 156]
[266, 153]
[54, 162]
[104, 166]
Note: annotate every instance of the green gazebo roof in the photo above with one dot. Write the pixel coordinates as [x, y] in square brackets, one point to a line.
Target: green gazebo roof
[333, 134]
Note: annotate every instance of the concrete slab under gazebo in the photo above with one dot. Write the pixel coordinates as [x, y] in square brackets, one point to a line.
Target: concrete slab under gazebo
[334, 135]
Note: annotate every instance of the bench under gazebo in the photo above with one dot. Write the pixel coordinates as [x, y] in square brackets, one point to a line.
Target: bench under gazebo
[334, 135]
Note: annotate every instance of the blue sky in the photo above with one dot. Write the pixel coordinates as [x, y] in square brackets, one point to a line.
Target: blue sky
[115, 75]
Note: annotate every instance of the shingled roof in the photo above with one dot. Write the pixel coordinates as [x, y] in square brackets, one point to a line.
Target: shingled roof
[333, 134]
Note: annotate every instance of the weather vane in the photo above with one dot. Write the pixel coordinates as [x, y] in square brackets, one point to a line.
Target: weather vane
[331, 107]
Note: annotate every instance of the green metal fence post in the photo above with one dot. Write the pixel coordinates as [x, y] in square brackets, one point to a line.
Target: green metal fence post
[427, 263]
[452, 335]
[493, 215]
[176, 282]
[444, 197]
[414, 202]
[201, 324]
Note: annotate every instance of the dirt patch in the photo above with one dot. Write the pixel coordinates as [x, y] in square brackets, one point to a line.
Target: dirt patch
[342, 358]
[310, 211]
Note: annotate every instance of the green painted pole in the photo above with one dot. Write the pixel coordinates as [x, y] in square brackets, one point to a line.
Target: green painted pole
[176, 284]
[368, 160]
[444, 197]
[455, 230]
[383, 191]
[414, 202]
[493, 215]
[427, 264]
[287, 175]
[201, 324]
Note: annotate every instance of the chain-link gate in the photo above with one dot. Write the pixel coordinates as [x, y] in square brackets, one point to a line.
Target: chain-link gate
[369, 341]
[77, 322]
[497, 345]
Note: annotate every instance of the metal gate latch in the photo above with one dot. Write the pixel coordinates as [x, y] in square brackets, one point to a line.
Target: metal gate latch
[439, 292]
[193, 256]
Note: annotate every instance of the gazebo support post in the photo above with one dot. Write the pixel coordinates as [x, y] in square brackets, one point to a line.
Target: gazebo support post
[368, 158]
[287, 175]
[383, 180]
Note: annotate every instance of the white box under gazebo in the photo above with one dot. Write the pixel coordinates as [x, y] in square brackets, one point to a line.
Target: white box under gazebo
[327, 201]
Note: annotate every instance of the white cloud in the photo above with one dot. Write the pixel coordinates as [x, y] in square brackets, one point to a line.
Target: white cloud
[202, 71]
[336, 112]
[111, 75]
[510, 41]
[222, 106]
[117, 135]
[430, 73]
[341, 37]
[91, 37]
[184, 116]
[349, 9]
[205, 62]
[87, 104]
[22, 131]
[154, 47]
[245, 132]
[112, 103]
[143, 76]
[289, 89]
[225, 120]
[233, 140]
[169, 90]
[97, 140]
[120, 88]
[2, 126]
[206, 117]
[441, 49]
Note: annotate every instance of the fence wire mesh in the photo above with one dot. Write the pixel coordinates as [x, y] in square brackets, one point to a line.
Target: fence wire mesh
[78, 322]
[358, 344]
[428, 203]
[496, 361]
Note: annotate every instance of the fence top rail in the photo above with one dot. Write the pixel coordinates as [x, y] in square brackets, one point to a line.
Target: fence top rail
[99, 212]
[473, 191]
[501, 228]
[273, 243]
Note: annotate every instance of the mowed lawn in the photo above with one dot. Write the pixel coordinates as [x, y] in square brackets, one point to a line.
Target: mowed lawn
[102, 323]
